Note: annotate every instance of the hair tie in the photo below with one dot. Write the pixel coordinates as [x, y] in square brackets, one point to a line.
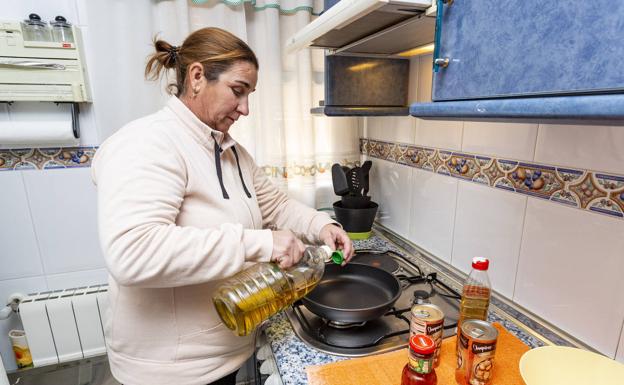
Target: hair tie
[173, 53]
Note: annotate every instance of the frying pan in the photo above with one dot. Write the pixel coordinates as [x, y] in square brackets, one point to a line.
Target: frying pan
[353, 293]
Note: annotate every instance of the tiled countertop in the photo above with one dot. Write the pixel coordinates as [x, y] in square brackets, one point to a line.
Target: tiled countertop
[292, 355]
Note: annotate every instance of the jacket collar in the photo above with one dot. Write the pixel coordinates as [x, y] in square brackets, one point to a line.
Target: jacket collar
[200, 131]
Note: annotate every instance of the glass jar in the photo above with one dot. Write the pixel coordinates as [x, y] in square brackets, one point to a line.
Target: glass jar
[35, 30]
[419, 368]
[62, 30]
[253, 295]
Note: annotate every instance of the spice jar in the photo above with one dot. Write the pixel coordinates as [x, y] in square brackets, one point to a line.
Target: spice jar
[62, 30]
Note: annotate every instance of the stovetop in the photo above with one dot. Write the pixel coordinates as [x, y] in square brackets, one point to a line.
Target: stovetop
[388, 332]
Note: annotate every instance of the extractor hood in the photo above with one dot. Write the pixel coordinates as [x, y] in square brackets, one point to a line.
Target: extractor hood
[385, 27]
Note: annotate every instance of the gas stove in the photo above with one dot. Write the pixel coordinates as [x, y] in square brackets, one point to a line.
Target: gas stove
[389, 332]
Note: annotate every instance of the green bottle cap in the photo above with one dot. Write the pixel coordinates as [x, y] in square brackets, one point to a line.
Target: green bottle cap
[337, 257]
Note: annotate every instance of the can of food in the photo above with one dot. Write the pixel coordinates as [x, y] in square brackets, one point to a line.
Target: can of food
[428, 319]
[475, 352]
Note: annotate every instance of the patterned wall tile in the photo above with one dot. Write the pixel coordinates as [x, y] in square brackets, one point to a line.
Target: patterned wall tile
[46, 158]
[584, 189]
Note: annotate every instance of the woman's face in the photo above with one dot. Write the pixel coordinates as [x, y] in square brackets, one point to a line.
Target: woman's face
[219, 103]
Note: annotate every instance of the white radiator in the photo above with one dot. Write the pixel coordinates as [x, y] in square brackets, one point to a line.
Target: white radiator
[65, 325]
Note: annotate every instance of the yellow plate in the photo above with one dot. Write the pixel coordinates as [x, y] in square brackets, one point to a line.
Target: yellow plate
[558, 365]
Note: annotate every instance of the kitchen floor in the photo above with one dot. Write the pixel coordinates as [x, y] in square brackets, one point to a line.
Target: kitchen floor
[95, 371]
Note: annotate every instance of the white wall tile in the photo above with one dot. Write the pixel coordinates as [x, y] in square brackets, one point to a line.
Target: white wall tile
[433, 212]
[77, 279]
[510, 140]
[19, 256]
[620, 351]
[391, 128]
[445, 134]
[8, 287]
[591, 147]
[391, 189]
[63, 204]
[488, 223]
[570, 272]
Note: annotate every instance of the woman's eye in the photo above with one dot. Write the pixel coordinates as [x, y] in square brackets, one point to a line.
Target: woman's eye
[237, 92]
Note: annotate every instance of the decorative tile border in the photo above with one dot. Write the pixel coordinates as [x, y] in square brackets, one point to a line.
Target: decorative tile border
[583, 189]
[46, 158]
[72, 157]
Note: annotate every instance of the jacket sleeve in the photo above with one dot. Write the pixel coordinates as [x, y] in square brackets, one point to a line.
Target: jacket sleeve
[281, 212]
[141, 185]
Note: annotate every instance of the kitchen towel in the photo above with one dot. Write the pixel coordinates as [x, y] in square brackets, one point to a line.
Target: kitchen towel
[386, 369]
[30, 133]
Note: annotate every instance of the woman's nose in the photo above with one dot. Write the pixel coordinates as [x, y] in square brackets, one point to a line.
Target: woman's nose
[243, 107]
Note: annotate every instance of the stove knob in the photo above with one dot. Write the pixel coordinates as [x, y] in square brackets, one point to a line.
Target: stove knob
[273, 379]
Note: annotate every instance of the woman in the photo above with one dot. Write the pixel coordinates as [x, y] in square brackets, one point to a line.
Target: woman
[183, 206]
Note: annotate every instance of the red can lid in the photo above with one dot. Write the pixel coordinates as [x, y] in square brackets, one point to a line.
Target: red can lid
[422, 344]
[480, 263]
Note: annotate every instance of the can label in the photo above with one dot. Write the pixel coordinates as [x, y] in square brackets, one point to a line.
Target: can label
[428, 319]
[475, 352]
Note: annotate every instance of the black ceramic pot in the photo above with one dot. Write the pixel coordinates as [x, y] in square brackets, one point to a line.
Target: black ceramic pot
[356, 222]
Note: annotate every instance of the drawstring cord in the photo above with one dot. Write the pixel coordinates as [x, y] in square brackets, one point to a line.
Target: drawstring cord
[218, 150]
[240, 173]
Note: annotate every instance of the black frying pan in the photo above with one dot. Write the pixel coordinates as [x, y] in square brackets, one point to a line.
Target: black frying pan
[353, 293]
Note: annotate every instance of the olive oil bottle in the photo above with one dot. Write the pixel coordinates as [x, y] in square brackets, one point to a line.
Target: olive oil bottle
[248, 298]
[476, 293]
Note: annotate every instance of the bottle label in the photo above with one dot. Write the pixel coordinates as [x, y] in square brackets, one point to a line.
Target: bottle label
[419, 363]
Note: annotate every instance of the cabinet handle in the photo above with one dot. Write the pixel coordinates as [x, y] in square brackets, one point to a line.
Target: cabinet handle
[441, 62]
[438, 61]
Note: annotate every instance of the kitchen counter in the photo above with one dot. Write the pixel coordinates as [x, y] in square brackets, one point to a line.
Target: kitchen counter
[292, 355]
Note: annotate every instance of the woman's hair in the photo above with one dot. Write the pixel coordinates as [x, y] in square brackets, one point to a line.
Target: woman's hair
[215, 48]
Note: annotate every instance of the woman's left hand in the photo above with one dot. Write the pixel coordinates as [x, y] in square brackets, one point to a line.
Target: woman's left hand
[336, 238]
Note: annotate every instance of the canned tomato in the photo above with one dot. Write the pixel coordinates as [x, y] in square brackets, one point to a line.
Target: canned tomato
[428, 319]
[475, 352]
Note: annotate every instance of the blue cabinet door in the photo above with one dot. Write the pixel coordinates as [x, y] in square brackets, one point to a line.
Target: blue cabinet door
[505, 48]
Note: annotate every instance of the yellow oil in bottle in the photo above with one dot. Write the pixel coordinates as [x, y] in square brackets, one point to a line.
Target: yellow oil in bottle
[255, 294]
[474, 303]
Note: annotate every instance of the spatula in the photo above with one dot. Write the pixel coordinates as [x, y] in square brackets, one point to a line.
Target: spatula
[339, 180]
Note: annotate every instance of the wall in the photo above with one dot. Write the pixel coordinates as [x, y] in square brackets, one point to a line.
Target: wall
[48, 217]
[565, 264]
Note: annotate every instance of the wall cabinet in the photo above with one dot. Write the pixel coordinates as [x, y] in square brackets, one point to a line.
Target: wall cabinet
[530, 47]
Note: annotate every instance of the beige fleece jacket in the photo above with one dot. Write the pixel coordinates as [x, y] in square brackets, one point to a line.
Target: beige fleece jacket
[169, 237]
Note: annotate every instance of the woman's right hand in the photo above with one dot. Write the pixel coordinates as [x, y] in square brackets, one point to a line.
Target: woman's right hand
[287, 248]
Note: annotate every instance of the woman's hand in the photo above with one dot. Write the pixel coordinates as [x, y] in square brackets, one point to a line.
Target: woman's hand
[336, 238]
[287, 249]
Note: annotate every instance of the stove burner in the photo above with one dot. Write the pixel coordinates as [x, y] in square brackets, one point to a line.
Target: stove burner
[379, 260]
[368, 334]
[344, 325]
[421, 296]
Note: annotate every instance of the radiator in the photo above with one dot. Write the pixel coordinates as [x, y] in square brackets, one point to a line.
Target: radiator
[65, 325]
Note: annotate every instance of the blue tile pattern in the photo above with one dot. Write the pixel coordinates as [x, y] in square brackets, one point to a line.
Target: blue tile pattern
[530, 47]
[593, 191]
[46, 158]
[293, 356]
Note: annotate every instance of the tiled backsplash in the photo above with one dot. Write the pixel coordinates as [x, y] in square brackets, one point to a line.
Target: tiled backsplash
[584, 189]
[46, 158]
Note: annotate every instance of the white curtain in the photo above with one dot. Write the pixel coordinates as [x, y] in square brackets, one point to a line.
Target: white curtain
[295, 148]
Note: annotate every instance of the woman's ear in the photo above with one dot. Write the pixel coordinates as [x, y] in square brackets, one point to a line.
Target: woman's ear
[195, 77]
